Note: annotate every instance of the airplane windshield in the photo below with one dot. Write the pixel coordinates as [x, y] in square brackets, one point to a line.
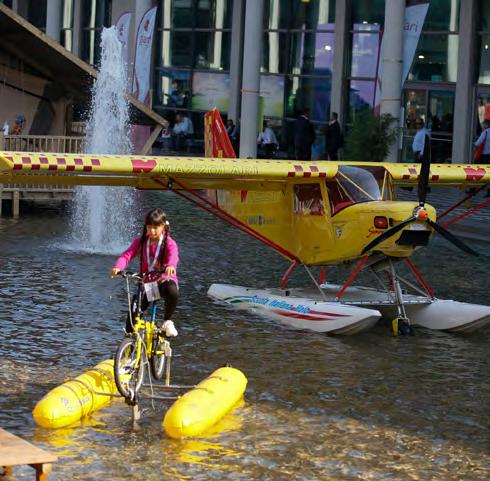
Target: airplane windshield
[358, 184]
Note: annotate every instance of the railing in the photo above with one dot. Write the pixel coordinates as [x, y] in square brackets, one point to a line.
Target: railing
[43, 143]
[37, 143]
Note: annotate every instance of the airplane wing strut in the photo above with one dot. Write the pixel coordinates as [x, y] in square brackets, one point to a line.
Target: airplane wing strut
[216, 210]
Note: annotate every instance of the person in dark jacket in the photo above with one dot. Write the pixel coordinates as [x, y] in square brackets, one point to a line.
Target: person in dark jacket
[334, 138]
[304, 136]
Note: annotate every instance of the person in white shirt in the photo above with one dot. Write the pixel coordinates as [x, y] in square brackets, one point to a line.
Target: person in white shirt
[419, 140]
[182, 132]
[268, 141]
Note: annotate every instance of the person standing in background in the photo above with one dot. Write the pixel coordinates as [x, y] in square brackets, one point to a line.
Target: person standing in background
[484, 139]
[334, 138]
[232, 131]
[419, 140]
[304, 136]
[20, 121]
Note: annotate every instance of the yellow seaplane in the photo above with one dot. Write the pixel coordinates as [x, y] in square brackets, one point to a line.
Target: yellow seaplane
[314, 213]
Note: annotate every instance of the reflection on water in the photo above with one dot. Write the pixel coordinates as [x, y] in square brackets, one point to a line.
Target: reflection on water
[316, 407]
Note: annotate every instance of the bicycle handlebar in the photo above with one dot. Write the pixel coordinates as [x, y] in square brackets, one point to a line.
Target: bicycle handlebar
[137, 275]
[130, 275]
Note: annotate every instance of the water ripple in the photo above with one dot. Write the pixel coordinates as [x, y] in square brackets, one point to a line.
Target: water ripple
[368, 407]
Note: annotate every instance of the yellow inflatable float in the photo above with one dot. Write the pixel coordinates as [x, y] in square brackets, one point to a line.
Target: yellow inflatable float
[77, 398]
[207, 403]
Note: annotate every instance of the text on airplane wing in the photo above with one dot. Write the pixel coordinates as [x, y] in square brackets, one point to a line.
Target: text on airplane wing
[152, 172]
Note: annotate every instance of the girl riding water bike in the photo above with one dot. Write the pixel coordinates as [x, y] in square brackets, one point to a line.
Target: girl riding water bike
[158, 254]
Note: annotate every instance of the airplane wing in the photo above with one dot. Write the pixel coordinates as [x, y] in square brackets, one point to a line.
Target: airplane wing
[443, 175]
[157, 172]
[147, 172]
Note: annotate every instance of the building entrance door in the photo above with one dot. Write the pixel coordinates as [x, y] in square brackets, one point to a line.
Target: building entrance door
[436, 106]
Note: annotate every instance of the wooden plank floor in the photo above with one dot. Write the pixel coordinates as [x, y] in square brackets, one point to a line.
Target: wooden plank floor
[14, 451]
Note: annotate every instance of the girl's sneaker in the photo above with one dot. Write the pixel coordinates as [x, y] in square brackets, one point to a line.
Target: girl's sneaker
[169, 329]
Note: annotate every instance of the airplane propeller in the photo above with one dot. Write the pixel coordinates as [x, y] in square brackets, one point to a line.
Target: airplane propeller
[420, 214]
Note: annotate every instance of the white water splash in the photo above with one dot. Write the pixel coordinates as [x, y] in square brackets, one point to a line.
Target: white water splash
[102, 220]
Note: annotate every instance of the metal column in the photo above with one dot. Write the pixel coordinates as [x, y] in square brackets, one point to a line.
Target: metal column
[252, 52]
[392, 65]
[341, 47]
[464, 101]
[236, 60]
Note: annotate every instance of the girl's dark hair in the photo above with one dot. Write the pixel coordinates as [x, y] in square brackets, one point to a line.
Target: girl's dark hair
[154, 217]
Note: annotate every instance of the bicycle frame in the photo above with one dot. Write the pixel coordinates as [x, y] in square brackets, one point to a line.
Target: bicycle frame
[139, 324]
[148, 327]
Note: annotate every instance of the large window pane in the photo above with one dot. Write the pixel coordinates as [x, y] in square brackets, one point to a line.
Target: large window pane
[368, 11]
[175, 87]
[482, 112]
[415, 107]
[442, 15]
[212, 50]
[274, 52]
[90, 51]
[436, 59]
[36, 13]
[324, 47]
[484, 17]
[210, 90]
[181, 13]
[441, 111]
[296, 14]
[176, 49]
[95, 16]
[302, 53]
[361, 96]
[312, 93]
[440, 121]
[311, 53]
[484, 77]
[365, 51]
[272, 95]
[214, 13]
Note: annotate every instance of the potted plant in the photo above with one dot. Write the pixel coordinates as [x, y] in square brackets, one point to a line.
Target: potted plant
[370, 136]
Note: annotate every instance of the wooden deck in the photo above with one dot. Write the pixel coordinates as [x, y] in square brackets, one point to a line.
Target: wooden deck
[14, 451]
[37, 193]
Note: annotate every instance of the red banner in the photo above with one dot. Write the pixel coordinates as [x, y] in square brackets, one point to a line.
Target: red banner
[216, 140]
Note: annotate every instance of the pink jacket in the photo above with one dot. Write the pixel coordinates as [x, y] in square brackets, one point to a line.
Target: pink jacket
[170, 258]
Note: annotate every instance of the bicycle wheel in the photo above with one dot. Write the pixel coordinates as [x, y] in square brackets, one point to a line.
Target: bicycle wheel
[157, 361]
[128, 373]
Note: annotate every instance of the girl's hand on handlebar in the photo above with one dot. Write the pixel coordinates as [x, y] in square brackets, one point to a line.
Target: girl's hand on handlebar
[115, 271]
[170, 271]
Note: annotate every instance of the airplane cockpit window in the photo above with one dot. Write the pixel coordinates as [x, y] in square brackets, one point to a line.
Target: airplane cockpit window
[308, 200]
[358, 184]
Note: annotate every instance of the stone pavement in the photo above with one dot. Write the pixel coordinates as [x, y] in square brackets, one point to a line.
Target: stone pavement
[474, 226]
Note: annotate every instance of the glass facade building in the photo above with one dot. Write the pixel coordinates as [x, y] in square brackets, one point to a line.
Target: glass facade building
[194, 42]
[298, 48]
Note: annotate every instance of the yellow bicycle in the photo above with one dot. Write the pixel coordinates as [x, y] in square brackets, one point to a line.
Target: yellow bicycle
[145, 346]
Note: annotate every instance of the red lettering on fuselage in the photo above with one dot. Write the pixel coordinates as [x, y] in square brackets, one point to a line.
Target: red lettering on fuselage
[373, 231]
[474, 174]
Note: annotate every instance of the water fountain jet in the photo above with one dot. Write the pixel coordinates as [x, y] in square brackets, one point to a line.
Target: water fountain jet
[102, 218]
